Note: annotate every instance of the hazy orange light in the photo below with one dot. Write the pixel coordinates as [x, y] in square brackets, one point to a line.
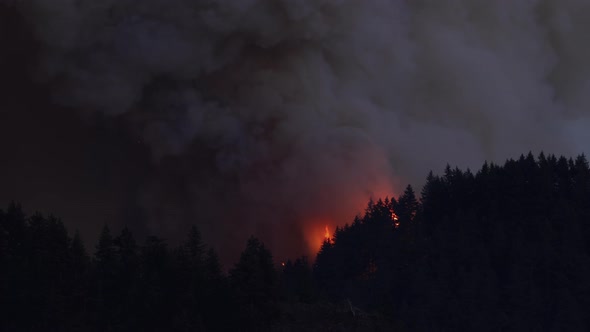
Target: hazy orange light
[317, 224]
[317, 233]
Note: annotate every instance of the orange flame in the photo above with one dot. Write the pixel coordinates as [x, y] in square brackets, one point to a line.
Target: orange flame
[317, 234]
[327, 235]
[395, 219]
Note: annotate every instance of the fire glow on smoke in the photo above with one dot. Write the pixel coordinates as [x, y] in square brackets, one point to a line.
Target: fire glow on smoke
[313, 106]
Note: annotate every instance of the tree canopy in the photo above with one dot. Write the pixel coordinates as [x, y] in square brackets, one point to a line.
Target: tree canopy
[504, 248]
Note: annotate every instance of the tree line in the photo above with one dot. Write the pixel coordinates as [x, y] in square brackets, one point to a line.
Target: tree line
[503, 249]
[50, 282]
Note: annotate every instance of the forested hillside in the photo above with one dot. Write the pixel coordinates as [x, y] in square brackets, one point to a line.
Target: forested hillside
[502, 249]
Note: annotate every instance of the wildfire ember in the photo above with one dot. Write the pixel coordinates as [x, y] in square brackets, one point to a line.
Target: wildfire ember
[395, 219]
[327, 235]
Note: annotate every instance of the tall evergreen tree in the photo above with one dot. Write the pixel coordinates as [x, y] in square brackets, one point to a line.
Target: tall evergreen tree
[106, 296]
[254, 281]
[407, 206]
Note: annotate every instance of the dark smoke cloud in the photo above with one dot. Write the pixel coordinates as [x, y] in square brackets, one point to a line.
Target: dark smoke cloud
[266, 116]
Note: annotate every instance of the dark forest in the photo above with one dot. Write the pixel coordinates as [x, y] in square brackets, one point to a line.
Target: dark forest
[504, 249]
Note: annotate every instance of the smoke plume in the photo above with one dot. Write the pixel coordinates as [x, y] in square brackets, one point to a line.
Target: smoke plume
[275, 117]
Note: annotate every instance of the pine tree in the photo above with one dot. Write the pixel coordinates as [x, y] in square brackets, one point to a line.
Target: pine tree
[79, 273]
[407, 206]
[78, 254]
[212, 266]
[106, 298]
[105, 254]
[157, 295]
[254, 281]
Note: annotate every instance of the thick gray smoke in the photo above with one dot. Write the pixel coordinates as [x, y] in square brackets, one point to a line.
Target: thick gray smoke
[278, 116]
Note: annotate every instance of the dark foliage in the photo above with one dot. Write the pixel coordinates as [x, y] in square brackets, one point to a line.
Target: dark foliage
[49, 282]
[505, 249]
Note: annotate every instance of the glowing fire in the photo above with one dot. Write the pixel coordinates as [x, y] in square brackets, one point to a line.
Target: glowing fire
[339, 203]
[395, 219]
[318, 234]
[319, 224]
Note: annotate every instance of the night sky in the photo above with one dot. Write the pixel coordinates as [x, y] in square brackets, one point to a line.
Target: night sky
[274, 118]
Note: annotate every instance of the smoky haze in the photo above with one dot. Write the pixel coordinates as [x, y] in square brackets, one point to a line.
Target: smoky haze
[275, 118]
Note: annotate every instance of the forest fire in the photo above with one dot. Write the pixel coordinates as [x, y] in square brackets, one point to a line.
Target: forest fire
[317, 235]
[394, 216]
[395, 219]
[319, 224]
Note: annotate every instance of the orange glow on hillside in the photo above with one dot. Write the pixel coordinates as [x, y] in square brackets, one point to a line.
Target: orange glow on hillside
[338, 209]
[316, 234]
